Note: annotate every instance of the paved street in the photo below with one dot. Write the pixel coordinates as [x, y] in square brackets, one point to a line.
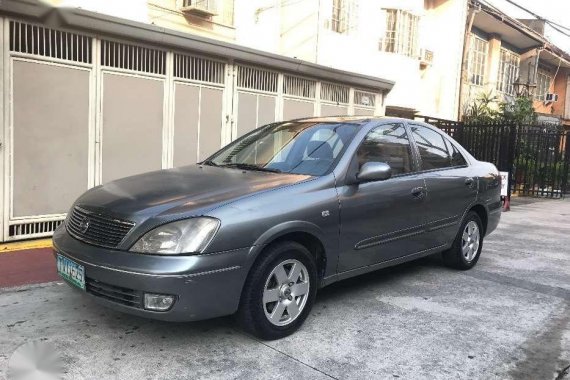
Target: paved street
[507, 318]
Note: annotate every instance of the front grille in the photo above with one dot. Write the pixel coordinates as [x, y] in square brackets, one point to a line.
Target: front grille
[96, 228]
[118, 294]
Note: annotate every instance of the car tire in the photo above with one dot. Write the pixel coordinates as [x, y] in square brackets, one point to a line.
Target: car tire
[466, 248]
[258, 313]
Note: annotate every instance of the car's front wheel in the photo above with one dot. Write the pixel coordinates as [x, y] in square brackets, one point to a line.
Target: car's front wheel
[279, 292]
[466, 248]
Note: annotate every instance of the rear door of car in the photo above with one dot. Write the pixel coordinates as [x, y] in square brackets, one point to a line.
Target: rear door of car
[450, 183]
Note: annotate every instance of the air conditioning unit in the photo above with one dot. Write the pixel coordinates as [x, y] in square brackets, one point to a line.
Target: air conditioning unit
[200, 8]
[549, 97]
[426, 57]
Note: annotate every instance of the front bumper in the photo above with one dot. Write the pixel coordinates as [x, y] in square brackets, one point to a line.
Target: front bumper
[205, 286]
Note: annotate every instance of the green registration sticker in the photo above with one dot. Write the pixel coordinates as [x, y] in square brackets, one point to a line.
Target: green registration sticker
[70, 271]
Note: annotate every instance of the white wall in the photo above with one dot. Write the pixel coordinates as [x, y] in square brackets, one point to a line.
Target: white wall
[257, 24]
[442, 31]
[301, 29]
[136, 10]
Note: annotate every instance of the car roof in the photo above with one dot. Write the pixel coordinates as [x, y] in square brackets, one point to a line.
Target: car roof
[344, 118]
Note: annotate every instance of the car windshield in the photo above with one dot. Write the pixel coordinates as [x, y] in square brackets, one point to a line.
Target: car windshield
[292, 147]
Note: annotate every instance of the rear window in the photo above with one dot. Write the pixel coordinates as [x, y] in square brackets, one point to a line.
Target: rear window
[432, 147]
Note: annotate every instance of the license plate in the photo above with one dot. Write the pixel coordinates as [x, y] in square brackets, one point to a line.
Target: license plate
[70, 271]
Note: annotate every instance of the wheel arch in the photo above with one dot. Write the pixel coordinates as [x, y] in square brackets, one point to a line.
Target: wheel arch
[483, 215]
[307, 234]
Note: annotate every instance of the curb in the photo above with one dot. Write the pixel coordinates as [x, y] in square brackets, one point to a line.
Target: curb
[25, 245]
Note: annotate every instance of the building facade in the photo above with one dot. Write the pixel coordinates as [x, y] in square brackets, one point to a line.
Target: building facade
[501, 52]
[415, 43]
[88, 98]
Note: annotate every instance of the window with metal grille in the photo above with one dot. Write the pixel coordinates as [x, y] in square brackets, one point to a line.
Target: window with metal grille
[508, 71]
[543, 80]
[344, 16]
[25, 229]
[401, 34]
[477, 59]
[302, 87]
[200, 69]
[363, 98]
[133, 57]
[257, 79]
[334, 93]
[38, 40]
[222, 11]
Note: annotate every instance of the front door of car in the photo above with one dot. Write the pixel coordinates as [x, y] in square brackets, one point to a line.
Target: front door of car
[382, 220]
[451, 185]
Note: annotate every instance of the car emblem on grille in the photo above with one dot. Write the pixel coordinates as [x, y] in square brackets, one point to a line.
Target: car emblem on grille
[84, 225]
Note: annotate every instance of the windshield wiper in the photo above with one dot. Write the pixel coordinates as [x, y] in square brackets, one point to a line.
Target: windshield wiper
[250, 167]
[209, 163]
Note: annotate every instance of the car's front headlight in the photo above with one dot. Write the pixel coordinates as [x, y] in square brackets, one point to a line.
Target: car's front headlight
[184, 236]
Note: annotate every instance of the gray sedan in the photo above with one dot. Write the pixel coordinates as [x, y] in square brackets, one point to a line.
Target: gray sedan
[256, 229]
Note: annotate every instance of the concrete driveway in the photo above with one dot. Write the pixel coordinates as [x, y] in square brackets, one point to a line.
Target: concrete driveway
[507, 318]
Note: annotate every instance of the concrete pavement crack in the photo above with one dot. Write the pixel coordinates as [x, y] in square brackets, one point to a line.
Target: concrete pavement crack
[519, 283]
[565, 371]
[286, 354]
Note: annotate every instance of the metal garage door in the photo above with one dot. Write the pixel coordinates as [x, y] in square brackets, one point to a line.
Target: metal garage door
[364, 103]
[334, 99]
[48, 127]
[132, 93]
[199, 108]
[299, 97]
[256, 98]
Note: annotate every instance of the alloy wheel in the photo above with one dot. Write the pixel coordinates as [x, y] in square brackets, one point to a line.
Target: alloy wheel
[470, 241]
[286, 292]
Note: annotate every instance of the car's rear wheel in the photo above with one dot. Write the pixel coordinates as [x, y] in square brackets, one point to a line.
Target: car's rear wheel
[466, 248]
[279, 292]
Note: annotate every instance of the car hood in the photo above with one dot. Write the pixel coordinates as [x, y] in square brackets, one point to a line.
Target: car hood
[188, 190]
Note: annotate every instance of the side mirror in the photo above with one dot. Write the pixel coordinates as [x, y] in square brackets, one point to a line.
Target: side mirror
[374, 171]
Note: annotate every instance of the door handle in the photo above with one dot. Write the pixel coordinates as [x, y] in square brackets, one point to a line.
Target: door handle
[418, 192]
[469, 182]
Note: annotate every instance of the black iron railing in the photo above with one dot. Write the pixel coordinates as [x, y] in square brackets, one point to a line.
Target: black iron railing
[537, 157]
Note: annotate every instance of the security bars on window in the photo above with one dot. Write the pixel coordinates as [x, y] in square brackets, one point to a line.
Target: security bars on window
[223, 10]
[301, 87]
[477, 59]
[508, 72]
[33, 229]
[362, 98]
[344, 15]
[401, 34]
[543, 80]
[38, 40]
[257, 79]
[334, 93]
[199, 69]
[133, 57]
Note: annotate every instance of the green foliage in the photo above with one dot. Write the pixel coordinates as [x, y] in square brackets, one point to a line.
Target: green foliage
[482, 110]
[488, 109]
[520, 111]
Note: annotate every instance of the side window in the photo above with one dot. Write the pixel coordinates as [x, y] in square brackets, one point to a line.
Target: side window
[390, 144]
[431, 145]
[457, 158]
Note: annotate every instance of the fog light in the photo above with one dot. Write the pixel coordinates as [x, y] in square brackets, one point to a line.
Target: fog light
[158, 302]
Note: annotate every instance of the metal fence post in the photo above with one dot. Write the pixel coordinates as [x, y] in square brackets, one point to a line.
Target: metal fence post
[510, 163]
[564, 184]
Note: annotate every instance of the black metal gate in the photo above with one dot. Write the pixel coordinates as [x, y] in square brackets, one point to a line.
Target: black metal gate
[537, 157]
